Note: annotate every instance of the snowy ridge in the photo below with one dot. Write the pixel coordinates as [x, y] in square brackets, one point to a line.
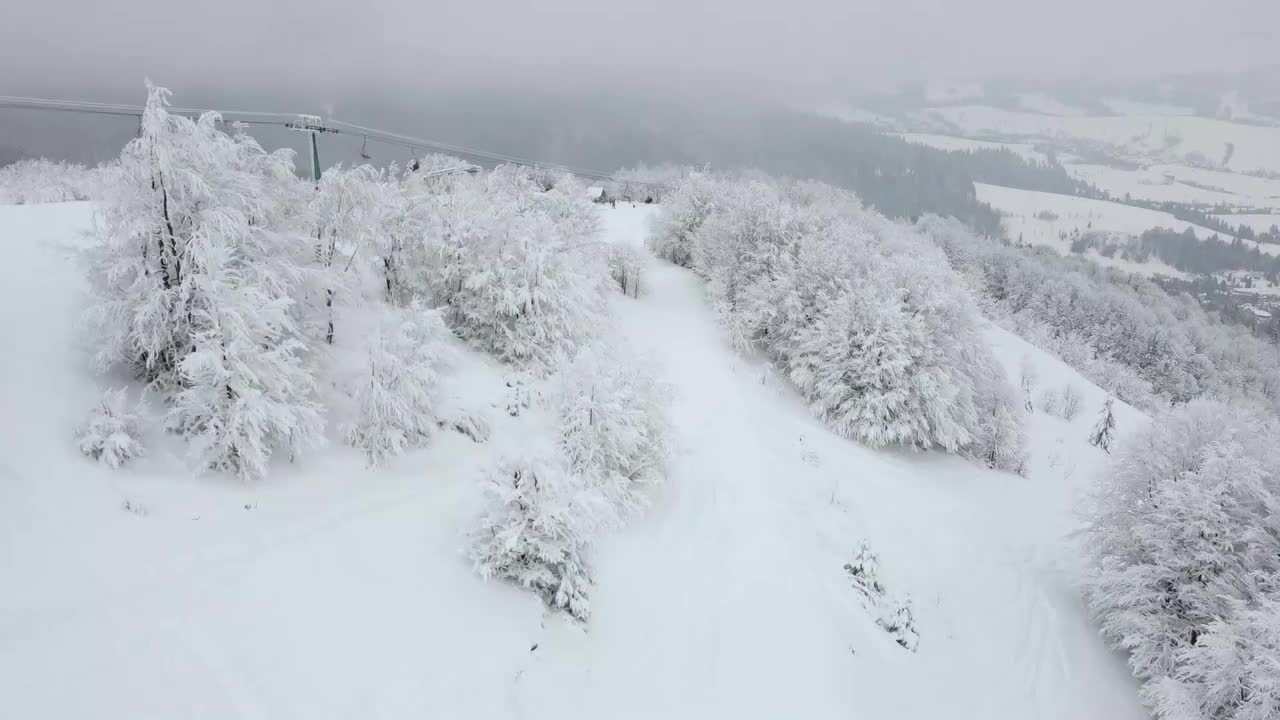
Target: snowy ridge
[335, 591]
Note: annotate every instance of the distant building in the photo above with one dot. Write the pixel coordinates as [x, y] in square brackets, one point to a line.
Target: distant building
[597, 194]
[1254, 315]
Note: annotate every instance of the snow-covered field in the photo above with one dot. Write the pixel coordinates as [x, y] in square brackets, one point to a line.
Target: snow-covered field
[953, 144]
[1039, 102]
[1025, 217]
[1258, 221]
[1182, 184]
[1171, 138]
[332, 591]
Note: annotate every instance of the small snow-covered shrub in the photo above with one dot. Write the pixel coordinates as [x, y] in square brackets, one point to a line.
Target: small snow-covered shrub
[613, 424]
[397, 393]
[473, 425]
[625, 264]
[900, 622]
[1051, 401]
[1184, 540]
[46, 181]
[535, 530]
[1028, 377]
[895, 618]
[1071, 401]
[1062, 403]
[111, 433]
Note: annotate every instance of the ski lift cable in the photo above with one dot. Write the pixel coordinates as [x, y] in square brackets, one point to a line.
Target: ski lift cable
[330, 125]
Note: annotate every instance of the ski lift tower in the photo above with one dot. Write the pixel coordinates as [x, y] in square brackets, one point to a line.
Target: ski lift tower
[314, 125]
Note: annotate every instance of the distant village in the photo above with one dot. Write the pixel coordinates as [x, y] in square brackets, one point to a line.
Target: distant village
[1234, 298]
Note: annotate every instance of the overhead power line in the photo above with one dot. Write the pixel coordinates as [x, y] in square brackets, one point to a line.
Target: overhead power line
[316, 124]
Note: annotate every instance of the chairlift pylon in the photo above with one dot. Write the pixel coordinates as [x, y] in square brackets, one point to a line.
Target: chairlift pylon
[364, 144]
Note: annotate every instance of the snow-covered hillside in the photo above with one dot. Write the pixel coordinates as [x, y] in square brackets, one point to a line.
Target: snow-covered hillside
[1181, 184]
[330, 590]
[1171, 138]
[952, 144]
[1041, 218]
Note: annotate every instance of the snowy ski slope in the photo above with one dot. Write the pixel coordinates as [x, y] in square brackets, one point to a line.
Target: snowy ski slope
[330, 591]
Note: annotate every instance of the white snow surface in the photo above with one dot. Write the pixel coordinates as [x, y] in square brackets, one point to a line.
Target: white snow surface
[332, 591]
[1182, 184]
[1021, 217]
[1047, 104]
[1259, 222]
[956, 144]
[1168, 137]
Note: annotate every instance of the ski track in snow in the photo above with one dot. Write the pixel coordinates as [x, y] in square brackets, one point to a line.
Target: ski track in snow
[343, 593]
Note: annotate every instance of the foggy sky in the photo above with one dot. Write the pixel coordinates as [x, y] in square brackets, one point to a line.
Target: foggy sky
[784, 49]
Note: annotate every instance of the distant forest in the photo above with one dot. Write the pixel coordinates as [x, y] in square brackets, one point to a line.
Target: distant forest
[1181, 250]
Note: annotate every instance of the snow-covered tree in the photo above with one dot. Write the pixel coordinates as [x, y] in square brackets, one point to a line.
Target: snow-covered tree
[895, 618]
[685, 207]
[110, 435]
[625, 265]
[1050, 401]
[195, 277]
[864, 573]
[861, 313]
[1028, 377]
[535, 531]
[612, 417]
[1103, 432]
[860, 365]
[45, 181]
[397, 393]
[1233, 671]
[512, 269]
[245, 386]
[1069, 408]
[347, 211]
[1185, 543]
[999, 439]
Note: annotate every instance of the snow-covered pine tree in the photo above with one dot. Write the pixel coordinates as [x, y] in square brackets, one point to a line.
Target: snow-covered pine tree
[864, 572]
[1104, 431]
[111, 434]
[535, 531]
[195, 277]
[397, 393]
[895, 618]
